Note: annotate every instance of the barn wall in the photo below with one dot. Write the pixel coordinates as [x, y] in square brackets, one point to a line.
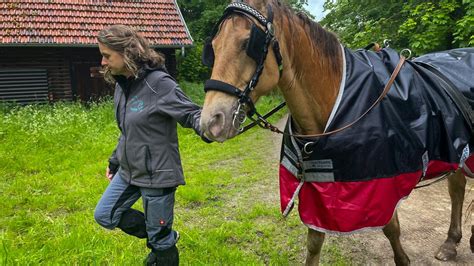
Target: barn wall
[68, 69]
[51, 59]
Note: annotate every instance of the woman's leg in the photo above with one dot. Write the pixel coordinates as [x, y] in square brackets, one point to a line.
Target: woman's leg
[158, 205]
[114, 208]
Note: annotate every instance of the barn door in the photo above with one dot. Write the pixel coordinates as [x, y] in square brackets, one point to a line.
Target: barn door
[87, 86]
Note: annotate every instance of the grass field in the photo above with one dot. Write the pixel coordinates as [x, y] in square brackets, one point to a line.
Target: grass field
[52, 165]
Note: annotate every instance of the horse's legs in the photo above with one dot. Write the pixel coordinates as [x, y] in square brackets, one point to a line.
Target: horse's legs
[456, 185]
[392, 232]
[471, 241]
[315, 242]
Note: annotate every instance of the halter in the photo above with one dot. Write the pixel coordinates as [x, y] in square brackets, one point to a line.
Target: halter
[257, 49]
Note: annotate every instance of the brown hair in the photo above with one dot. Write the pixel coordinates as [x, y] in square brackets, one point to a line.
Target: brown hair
[134, 48]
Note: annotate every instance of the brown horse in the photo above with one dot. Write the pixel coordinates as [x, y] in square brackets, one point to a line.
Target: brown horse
[306, 63]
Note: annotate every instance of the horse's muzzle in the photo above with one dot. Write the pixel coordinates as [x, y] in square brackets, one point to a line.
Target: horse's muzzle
[215, 126]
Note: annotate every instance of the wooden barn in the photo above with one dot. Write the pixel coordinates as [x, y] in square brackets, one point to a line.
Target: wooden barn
[49, 51]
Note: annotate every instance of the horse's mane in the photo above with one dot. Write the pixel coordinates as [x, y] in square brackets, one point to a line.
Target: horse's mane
[322, 40]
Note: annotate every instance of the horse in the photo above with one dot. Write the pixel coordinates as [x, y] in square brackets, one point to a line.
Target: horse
[258, 45]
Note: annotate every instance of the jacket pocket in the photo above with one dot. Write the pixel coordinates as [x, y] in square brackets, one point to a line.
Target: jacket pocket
[148, 161]
[164, 176]
[163, 170]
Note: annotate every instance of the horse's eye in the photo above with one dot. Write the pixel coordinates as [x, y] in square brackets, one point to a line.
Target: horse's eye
[245, 43]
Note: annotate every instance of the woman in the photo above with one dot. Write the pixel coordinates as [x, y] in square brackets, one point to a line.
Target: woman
[146, 161]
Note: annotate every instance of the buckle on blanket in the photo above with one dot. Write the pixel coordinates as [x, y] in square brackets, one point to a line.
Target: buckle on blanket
[406, 53]
[307, 146]
[299, 174]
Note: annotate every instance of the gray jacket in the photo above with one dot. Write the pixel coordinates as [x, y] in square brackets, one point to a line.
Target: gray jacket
[147, 109]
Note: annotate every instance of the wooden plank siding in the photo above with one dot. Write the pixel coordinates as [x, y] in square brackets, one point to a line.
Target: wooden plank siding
[51, 59]
[68, 69]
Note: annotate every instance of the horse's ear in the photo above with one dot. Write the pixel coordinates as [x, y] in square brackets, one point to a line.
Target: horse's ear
[269, 13]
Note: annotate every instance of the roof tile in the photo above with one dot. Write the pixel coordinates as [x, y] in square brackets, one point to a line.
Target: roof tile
[77, 22]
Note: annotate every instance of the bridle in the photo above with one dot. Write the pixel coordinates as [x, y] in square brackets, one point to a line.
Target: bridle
[257, 49]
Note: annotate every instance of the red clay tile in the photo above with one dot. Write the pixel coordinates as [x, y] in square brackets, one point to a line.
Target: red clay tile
[79, 21]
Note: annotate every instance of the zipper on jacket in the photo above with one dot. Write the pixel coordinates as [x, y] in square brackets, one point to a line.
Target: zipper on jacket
[125, 134]
[148, 161]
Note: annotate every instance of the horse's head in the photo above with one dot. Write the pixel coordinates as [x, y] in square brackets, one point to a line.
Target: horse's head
[245, 59]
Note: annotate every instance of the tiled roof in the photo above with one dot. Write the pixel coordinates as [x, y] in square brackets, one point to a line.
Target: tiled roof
[77, 22]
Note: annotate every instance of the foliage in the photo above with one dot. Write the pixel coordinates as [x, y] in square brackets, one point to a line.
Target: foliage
[298, 5]
[464, 30]
[200, 17]
[429, 25]
[190, 66]
[422, 26]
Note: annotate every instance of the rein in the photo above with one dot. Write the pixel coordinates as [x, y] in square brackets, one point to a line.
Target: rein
[268, 125]
[261, 121]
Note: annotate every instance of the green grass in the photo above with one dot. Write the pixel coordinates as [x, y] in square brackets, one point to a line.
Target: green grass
[52, 164]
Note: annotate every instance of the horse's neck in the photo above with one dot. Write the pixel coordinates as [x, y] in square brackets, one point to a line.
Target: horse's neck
[310, 81]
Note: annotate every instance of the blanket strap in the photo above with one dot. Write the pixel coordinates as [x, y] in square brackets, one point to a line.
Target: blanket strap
[291, 204]
[394, 75]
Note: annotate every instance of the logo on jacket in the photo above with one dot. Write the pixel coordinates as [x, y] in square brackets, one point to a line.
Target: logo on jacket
[136, 105]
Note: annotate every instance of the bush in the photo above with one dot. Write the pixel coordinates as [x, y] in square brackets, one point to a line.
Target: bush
[190, 67]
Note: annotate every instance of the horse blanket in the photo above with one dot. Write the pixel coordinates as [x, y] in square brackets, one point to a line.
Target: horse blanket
[354, 179]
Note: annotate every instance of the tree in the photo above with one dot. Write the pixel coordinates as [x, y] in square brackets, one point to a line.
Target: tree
[200, 17]
[422, 26]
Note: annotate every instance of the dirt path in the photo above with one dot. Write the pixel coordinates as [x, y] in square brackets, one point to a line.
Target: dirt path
[424, 219]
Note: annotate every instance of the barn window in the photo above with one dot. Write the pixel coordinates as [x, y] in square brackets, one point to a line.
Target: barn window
[23, 86]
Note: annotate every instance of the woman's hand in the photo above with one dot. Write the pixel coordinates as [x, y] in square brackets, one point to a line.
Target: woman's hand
[111, 170]
[109, 174]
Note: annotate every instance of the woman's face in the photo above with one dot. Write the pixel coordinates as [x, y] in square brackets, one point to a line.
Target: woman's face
[113, 60]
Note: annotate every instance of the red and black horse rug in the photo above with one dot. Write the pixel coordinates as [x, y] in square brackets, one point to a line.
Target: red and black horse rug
[354, 179]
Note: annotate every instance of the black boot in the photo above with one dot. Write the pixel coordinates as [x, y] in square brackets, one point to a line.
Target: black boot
[132, 222]
[167, 257]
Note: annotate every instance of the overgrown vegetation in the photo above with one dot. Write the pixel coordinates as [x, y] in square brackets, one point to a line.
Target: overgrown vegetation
[52, 164]
[423, 26]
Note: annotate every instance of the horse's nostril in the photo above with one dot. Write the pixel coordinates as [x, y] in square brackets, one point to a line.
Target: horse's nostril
[216, 124]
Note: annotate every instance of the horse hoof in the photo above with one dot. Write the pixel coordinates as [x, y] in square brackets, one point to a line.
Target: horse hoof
[402, 261]
[446, 252]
